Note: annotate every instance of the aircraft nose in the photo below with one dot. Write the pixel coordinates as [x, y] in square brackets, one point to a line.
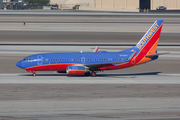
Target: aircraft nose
[19, 64]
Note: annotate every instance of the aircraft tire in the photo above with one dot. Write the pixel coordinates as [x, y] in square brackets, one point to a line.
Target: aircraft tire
[34, 74]
[93, 74]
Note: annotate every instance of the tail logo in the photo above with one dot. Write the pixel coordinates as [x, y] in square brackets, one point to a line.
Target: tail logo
[148, 36]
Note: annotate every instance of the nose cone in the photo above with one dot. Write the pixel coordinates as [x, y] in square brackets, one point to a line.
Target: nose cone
[19, 64]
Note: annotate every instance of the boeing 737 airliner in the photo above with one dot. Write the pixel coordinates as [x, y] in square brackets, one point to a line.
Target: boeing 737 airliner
[89, 62]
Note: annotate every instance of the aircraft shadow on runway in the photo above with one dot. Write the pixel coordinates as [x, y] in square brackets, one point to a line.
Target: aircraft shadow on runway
[99, 75]
[132, 75]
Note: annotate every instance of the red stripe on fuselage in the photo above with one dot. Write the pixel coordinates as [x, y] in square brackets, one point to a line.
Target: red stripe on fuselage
[50, 67]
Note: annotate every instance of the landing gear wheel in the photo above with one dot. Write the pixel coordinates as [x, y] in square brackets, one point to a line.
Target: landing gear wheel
[93, 74]
[34, 74]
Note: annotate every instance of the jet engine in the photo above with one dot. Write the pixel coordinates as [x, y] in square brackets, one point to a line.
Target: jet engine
[76, 70]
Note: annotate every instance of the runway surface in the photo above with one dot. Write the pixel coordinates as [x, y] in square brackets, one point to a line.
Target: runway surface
[83, 13]
[138, 78]
[148, 91]
[50, 37]
[99, 109]
[89, 101]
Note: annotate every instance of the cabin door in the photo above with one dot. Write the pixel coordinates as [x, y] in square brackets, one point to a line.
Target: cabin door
[39, 59]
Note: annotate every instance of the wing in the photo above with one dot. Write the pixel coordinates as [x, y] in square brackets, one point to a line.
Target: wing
[110, 63]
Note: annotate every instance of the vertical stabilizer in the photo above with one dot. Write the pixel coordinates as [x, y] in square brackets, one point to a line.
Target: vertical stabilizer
[148, 44]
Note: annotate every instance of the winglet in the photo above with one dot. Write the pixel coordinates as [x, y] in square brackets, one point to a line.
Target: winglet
[96, 49]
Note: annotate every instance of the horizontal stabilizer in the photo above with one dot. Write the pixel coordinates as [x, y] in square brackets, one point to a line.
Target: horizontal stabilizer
[152, 55]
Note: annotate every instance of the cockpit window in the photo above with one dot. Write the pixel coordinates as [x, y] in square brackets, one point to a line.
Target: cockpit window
[27, 59]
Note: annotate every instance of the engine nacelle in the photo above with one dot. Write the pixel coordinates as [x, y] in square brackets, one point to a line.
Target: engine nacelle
[76, 70]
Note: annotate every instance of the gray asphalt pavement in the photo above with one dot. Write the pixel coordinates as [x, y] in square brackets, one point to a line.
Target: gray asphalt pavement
[88, 101]
[35, 37]
[136, 78]
[148, 91]
[99, 109]
[83, 13]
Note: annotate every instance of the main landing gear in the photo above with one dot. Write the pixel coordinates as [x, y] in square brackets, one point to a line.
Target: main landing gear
[92, 74]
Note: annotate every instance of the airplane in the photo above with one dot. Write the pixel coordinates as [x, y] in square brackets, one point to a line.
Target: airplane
[88, 63]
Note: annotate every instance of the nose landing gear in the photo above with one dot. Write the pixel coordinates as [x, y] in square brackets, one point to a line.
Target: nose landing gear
[34, 74]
